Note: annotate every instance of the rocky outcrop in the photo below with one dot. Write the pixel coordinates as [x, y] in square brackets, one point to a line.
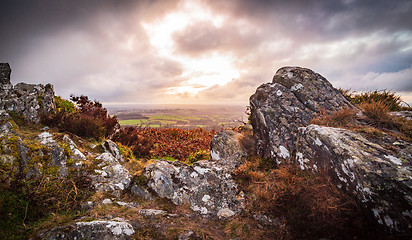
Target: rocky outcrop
[226, 146]
[112, 177]
[379, 177]
[5, 72]
[29, 100]
[116, 228]
[110, 147]
[58, 157]
[291, 101]
[206, 186]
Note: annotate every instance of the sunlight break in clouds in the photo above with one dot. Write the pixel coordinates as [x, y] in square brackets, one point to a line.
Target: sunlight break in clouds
[202, 72]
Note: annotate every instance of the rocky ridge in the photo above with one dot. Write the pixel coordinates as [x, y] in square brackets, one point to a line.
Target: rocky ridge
[379, 178]
[30, 100]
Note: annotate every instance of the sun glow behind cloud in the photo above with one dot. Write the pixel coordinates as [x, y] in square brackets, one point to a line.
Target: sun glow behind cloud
[201, 72]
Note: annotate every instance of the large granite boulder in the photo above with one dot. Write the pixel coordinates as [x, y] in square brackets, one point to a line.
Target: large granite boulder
[227, 146]
[380, 179]
[206, 186]
[111, 176]
[375, 172]
[29, 100]
[291, 101]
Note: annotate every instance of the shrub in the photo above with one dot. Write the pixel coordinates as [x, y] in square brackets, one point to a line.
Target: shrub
[82, 117]
[390, 99]
[158, 143]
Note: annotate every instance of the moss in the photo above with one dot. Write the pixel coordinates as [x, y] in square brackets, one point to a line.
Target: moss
[52, 170]
[140, 180]
[199, 155]
[40, 102]
[17, 117]
[67, 151]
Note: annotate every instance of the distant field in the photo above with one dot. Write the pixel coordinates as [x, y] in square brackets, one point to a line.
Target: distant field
[208, 118]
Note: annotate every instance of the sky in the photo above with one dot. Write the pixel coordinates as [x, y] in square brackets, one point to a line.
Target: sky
[204, 52]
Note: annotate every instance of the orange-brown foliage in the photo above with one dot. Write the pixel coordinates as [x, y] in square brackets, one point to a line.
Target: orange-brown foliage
[167, 142]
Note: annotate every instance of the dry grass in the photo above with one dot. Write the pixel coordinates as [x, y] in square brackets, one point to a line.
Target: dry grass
[375, 118]
[341, 118]
[308, 204]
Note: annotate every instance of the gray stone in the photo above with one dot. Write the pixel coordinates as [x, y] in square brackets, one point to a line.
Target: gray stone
[206, 186]
[112, 176]
[58, 156]
[226, 147]
[141, 192]
[403, 114]
[111, 147]
[152, 212]
[116, 228]
[291, 101]
[376, 172]
[379, 179]
[188, 234]
[5, 72]
[29, 100]
[76, 153]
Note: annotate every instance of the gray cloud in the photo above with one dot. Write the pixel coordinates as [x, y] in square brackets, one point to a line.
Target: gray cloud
[100, 48]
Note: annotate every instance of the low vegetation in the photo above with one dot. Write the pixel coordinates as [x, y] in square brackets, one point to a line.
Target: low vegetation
[303, 205]
[173, 143]
[82, 117]
[373, 115]
[392, 101]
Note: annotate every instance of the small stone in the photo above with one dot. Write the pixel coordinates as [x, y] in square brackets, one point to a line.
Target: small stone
[107, 201]
[225, 213]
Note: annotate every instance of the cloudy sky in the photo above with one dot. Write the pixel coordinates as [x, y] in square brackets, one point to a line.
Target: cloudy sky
[192, 51]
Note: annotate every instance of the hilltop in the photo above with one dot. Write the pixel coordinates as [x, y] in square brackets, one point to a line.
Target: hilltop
[313, 163]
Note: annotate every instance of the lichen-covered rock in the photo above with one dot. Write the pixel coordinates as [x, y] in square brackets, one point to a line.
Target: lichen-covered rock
[76, 153]
[29, 100]
[5, 72]
[226, 146]
[381, 180]
[57, 154]
[116, 228]
[206, 186]
[112, 176]
[141, 192]
[111, 147]
[289, 102]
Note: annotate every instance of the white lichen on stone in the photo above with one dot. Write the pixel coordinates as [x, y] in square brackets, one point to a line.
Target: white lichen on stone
[46, 138]
[394, 160]
[194, 175]
[284, 153]
[302, 162]
[116, 227]
[201, 170]
[215, 155]
[318, 142]
[206, 198]
[388, 221]
[296, 87]
[225, 213]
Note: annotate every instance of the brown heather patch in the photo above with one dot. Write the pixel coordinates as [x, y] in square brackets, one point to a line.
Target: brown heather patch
[341, 118]
[307, 205]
